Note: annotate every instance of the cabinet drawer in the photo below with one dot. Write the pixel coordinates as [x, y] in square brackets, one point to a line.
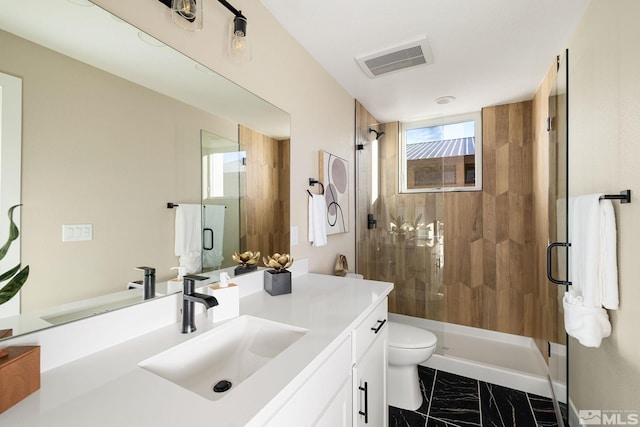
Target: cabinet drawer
[371, 327]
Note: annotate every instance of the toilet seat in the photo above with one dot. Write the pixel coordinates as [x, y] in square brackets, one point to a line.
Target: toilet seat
[406, 336]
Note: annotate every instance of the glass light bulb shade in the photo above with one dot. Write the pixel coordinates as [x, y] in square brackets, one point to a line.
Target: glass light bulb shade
[239, 48]
[187, 14]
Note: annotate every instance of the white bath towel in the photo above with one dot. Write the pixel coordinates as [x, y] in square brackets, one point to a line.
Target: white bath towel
[593, 269]
[589, 325]
[317, 220]
[188, 237]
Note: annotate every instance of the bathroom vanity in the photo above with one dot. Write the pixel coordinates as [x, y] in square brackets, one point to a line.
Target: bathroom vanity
[332, 373]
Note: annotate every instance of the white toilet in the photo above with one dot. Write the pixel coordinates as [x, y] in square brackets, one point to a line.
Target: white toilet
[408, 346]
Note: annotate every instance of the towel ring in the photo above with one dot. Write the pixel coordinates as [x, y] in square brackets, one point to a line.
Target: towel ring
[313, 182]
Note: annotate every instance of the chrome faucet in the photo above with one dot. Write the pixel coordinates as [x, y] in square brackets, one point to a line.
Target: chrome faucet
[189, 298]
[149, 282]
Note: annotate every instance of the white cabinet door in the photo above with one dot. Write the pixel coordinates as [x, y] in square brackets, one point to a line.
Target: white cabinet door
[340, 410]
[370, 394]
[319, 392]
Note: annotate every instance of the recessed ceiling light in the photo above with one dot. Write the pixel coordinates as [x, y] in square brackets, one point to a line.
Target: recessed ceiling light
[445, 100]
[151, 41]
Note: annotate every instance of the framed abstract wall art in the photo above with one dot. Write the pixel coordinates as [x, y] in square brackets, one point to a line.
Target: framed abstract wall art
[334, 175]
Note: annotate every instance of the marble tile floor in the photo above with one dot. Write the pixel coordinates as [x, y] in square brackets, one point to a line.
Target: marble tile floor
[451, 400]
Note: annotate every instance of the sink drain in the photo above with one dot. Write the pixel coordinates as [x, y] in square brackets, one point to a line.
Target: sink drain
[222, 386]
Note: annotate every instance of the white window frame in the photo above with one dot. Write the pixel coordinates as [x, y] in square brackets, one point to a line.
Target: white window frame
[441, 121]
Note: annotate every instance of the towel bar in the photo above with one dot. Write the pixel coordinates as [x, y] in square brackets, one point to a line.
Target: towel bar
[624, 196]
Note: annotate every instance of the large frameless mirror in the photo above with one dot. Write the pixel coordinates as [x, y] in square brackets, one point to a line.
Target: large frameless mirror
[109, 138]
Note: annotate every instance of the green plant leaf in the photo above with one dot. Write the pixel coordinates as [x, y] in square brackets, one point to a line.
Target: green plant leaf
[14, 285]
[7, 275]
[13, 233]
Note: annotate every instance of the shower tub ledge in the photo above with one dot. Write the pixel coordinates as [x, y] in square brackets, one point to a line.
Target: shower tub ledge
[507, 360]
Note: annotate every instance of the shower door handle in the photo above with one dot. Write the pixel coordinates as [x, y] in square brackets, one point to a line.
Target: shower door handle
[204, 240]
[549, 257]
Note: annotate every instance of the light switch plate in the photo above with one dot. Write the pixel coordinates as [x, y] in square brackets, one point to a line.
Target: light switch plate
[294, 235]
[77, 232]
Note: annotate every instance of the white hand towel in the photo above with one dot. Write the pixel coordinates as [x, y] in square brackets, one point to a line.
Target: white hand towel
[317, 220]
[188, 237]
[592, 269]
[589, 325]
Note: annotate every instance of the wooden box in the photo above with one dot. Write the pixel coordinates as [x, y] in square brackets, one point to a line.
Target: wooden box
[19, 374]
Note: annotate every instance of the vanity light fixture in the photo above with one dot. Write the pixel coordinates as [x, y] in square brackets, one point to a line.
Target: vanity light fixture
[187, 14]
[238, 48]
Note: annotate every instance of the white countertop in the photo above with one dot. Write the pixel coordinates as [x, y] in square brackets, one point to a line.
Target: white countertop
[108, 388]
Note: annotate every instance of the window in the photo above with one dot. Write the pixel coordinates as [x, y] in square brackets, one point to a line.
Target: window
[220, 173]
[443, 154]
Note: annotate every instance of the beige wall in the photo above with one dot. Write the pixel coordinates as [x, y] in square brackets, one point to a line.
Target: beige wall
[604, 130]
[322, 112]
[98, 149]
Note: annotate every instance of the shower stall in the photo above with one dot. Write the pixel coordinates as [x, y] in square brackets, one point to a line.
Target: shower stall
[470, 257]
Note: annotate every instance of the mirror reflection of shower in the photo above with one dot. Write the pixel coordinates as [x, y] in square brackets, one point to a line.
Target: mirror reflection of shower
[223, 186]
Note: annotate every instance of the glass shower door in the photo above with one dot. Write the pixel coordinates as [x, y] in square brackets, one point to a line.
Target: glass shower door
[557, 259]
[400, 236]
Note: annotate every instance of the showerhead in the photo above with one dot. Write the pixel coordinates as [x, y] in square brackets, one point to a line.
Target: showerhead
[378, 134]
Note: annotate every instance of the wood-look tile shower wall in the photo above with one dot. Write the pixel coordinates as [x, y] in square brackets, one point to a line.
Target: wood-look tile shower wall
[483, 274]
[267, 194]
[489, 234]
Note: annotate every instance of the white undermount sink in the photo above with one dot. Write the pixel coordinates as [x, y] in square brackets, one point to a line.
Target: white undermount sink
[223, 357]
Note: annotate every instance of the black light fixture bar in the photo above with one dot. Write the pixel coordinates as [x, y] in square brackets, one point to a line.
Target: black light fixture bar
[236, 12]
[240, 21]
[232, 9]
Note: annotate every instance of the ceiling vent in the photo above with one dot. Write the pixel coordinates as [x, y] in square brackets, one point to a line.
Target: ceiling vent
[409, 55]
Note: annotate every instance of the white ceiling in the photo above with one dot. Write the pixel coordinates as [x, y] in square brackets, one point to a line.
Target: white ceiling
[486, 52]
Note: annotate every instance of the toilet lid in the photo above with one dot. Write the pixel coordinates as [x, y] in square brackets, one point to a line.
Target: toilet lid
[405, 336]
